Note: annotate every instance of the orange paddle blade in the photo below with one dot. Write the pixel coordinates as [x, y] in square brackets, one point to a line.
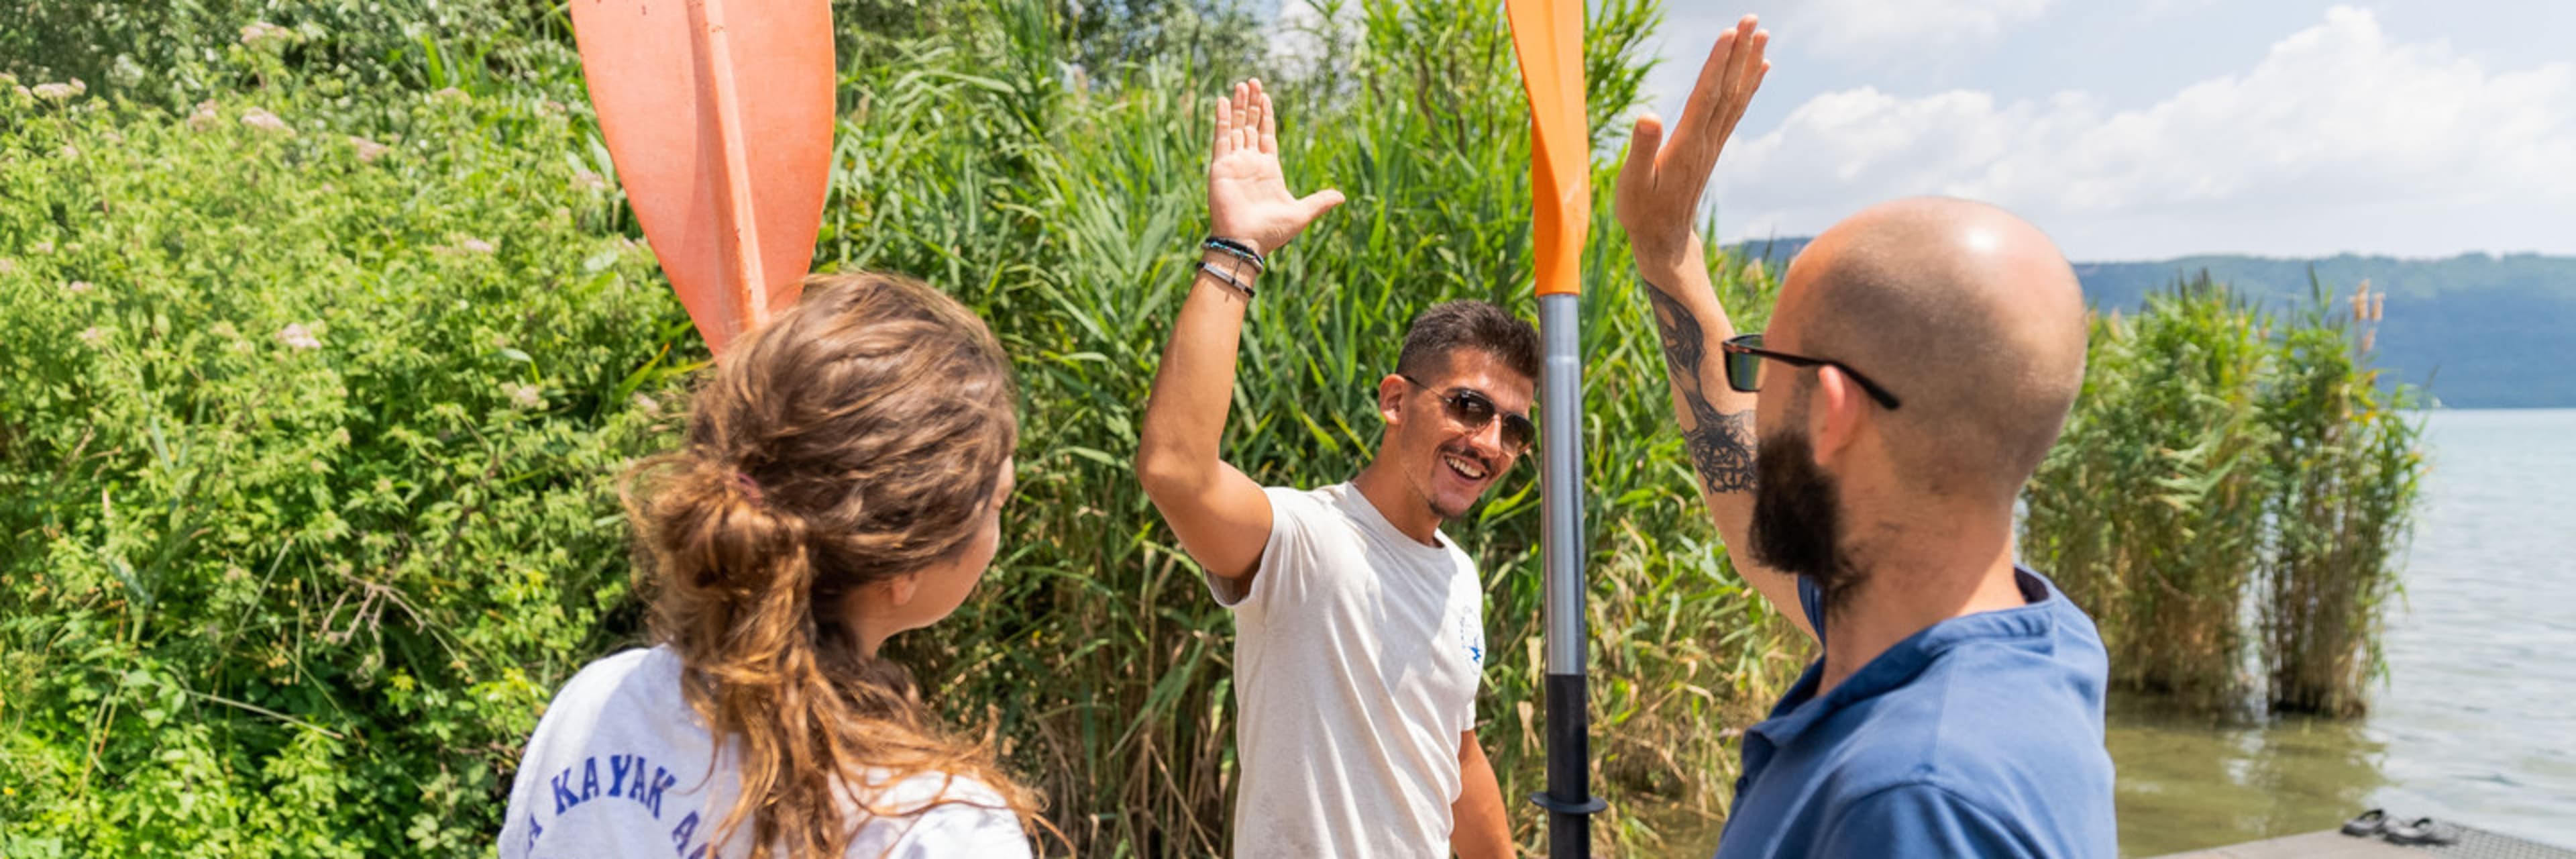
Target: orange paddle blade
[718, 114]
[1548, 35]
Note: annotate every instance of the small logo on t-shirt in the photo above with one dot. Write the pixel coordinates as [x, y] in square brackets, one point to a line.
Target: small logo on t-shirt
[1471, 639]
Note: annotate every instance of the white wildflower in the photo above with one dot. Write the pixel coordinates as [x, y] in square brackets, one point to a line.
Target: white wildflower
[43, 246]
[93, 335]
[297, 336]
[8, 266]
[589, 180]
[77, 287]
[524, 396]
[205, 117]
[70, 152]
[368, 150]
[450, 94]
[62, 91]
[265, 121]
[649, 406]
[474, 244]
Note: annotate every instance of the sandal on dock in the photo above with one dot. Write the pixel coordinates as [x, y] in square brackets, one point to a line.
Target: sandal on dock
[2423, 831]
[2367, 824]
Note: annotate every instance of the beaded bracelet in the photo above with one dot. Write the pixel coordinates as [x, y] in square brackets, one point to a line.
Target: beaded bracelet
[1239, 251]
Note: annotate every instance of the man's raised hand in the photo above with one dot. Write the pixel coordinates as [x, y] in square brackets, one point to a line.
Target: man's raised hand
[1248, 198]
[1661, 181]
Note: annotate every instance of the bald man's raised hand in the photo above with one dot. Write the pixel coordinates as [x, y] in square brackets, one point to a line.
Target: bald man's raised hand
[1661, 181]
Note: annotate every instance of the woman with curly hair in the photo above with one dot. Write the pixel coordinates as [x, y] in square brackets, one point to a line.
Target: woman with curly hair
[842, 481]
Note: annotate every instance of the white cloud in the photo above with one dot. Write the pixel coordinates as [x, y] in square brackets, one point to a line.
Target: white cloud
[1875, 29]
[2341, 138]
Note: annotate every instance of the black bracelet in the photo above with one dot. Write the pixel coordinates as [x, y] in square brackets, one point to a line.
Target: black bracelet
[1228, 279]
[1239, 251]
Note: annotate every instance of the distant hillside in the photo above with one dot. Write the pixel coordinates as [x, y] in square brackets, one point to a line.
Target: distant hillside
[2479, 331]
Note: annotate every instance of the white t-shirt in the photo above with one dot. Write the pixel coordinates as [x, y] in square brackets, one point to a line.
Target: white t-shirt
[618, 767]
[1357, 654]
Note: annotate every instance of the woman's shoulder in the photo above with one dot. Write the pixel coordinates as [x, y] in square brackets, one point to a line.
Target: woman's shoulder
[942, 814]
[653, 671]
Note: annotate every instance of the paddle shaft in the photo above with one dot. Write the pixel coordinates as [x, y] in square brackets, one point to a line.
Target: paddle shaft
[1568, 798]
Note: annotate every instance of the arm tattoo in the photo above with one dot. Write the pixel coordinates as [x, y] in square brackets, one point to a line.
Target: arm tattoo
[1720, 443]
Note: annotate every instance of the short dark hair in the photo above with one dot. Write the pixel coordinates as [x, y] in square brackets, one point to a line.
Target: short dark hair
[1453, 325]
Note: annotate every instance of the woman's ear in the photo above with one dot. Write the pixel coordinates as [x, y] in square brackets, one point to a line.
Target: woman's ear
[900, 589]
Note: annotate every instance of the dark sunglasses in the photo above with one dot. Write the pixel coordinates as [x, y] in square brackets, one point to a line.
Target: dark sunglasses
[1744, 354]
[1473, 409]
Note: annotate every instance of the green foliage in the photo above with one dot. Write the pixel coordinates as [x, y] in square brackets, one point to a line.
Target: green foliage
[172, 53]
[2217, 454]
[306, 464]
[2350, 468]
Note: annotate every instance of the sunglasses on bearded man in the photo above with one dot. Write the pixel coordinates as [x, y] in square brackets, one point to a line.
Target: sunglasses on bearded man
[1744, 354]
[1472, 409]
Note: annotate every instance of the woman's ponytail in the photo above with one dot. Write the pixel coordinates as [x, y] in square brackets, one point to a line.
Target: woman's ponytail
[856, 438]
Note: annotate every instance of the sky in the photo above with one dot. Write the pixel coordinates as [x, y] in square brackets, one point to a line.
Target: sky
[2149, 129]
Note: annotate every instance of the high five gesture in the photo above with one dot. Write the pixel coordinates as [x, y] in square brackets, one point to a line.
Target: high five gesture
[1661, 182]
[1659, 191]
[1248, 199]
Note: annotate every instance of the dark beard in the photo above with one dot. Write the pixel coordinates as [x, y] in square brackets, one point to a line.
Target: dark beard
[1797, 528]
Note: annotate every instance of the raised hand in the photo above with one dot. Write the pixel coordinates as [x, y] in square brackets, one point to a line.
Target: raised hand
[1248, 198]
[1661, 181]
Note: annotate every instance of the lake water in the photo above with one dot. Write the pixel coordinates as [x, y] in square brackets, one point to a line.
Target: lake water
[2477, 723]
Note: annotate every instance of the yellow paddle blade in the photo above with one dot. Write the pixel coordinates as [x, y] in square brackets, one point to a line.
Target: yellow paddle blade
[718, 114]
[1548, 35]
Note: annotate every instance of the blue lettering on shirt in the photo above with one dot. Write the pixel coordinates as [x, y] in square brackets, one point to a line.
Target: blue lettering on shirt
[653, 790]
[564, 797]
[680, 834]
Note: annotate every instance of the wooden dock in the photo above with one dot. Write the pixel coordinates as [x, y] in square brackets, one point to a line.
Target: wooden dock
[2314, 845]
[2330, 844]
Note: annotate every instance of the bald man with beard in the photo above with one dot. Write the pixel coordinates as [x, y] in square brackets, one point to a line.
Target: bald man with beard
[1920, 362]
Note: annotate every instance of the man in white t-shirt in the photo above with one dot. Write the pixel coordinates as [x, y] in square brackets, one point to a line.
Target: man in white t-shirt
[1359, 627]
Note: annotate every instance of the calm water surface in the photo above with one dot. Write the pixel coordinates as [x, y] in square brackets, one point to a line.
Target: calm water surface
[2478, 721]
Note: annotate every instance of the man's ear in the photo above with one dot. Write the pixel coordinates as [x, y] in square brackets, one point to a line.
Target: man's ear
[1390, 399]
[1834, 413]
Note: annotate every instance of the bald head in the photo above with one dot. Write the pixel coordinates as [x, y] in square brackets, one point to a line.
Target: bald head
[1968, 314]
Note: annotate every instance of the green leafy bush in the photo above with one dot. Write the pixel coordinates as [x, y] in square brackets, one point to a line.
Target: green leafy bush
[309, 416]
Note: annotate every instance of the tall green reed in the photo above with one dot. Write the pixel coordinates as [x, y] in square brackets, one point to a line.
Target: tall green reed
[2218, 455]
[2350, 470]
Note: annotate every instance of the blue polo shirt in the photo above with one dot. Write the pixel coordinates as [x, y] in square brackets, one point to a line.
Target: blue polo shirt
[1979, 736]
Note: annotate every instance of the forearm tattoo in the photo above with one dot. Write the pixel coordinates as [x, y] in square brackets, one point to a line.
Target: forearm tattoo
[1720, 443]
